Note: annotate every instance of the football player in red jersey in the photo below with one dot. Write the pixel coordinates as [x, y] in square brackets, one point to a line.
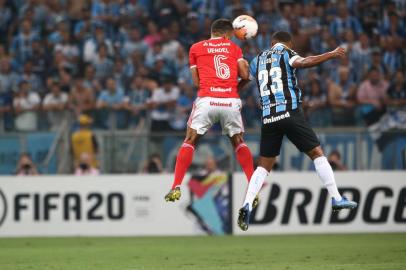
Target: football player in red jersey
[215, 65]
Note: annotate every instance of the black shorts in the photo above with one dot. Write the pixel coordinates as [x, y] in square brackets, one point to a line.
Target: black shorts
[292, 124]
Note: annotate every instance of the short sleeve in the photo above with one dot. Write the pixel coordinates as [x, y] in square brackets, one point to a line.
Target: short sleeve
[292, 56]
[102, 97]
[46, 100]
[253, 68]
[35, 99]
[192, 57]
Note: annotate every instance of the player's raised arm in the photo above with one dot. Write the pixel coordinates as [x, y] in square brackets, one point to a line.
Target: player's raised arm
[311, 61]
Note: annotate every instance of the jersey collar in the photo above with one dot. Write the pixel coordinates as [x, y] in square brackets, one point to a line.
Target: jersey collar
[277, 44]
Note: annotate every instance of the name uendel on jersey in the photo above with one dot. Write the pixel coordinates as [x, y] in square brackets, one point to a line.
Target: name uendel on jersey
[217, 50]
[274, 119]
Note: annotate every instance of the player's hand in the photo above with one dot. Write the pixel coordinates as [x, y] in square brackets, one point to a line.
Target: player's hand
[339, 52]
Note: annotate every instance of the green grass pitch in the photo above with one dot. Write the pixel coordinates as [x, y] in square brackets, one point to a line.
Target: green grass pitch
[304, 252]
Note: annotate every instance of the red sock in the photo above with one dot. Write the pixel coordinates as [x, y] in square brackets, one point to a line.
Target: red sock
[245, 159]
[183, 161]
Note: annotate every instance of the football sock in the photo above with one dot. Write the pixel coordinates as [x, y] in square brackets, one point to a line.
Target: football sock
[245, 159]
[183, 161]
[326, 175]
[255, 185]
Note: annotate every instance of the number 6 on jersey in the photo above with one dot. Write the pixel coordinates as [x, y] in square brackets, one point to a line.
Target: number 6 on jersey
[222, 69]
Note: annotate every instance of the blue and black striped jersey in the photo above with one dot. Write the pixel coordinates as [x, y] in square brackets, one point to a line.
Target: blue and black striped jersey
[276, 79]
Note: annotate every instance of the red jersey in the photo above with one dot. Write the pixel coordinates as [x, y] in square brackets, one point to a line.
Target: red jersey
[216, 60]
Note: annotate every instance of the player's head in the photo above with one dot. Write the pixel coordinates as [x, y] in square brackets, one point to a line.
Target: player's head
[282, 37]
[222, 28]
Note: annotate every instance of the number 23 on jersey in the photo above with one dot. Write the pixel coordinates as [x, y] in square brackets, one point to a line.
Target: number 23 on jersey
[275, 73]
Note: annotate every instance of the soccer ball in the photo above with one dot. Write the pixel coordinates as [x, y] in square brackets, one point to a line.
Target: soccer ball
[245, 27]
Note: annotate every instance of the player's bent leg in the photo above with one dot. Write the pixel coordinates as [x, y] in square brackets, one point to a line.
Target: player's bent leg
[183, 162]
[243, 155]
[265, 165]
[326, 175]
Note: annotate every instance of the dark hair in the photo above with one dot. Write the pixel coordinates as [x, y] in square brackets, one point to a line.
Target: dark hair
[281, 36]
[335, 152]
[373, 69]
[221, 26]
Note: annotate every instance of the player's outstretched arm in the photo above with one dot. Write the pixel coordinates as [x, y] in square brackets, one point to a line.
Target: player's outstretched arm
[315, 60]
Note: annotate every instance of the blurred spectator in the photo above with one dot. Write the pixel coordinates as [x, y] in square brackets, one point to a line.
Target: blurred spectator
[84, 141]
[101, 63]
[342, 99]
[119, 74]
[110, 103]
[69, 50]
[193, 30]
[344, 22]
[153, 35]
[40, 60]
[81, 98]
[170, 46]
[153, 53]
[360, 56]
[134, 43]
[153, 164]
[210, 165]
[29, 76]
[21, 48]
[8, 78]
[6, 16]
[92, 45]
[26, 104]
[162, 103]
[137, 99]
[314, 104]
[396, 95]
[85, 167]
[335, 161]
[89, 80]
[391, 57]
[6, 103]
[183, 108]
[55, 103]
[26, 166]
[371, 94]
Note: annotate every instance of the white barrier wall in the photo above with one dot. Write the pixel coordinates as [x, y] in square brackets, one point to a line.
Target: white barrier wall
[94, 206]
[296, 203]
[118, 205]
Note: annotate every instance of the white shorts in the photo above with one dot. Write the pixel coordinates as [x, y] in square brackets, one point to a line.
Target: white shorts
[208, 111]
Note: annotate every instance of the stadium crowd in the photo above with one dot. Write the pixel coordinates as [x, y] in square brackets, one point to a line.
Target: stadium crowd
[125, 62]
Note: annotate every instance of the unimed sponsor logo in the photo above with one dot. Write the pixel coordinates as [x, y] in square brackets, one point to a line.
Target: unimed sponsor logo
[274, 119]
[388, 205]
[3, 207]
[71, 206]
